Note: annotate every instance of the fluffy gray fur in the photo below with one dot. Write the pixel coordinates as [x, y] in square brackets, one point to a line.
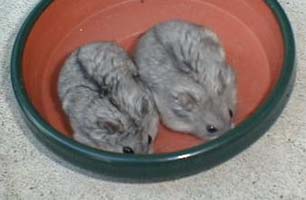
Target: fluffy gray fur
[108, 107]
[184, 65]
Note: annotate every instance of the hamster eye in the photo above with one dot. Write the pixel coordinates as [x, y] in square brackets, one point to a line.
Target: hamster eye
[128, 150]
[230, 113]
[211, 129]
[149, 139]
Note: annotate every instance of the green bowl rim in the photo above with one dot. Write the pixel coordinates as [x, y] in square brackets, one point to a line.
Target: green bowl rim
[257, 120]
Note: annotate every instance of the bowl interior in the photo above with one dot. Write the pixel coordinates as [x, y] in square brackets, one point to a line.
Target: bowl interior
[248, 30]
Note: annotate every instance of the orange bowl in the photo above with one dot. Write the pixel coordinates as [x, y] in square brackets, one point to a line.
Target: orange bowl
[256, 35]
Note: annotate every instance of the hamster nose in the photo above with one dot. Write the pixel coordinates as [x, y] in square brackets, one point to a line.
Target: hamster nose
[128, 150]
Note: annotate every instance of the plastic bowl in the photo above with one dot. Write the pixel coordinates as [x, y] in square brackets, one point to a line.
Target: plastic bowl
[258, 40]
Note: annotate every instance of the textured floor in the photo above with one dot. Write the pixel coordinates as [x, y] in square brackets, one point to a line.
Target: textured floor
[273, 168]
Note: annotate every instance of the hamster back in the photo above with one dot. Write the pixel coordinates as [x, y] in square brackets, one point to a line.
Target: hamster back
[184, 65]
[108, 107]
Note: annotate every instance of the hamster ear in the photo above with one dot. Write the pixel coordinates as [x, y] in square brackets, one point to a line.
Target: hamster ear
[228, 87]
[185, 67]
[186, 100]
[144, 106]
[110, 126]
[227, 79]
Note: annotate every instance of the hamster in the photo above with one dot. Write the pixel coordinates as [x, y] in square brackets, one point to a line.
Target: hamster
[184, 66]
[106, 104]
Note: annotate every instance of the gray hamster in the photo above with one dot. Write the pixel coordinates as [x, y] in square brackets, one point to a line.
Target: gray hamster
[107, 106]
[184, 65]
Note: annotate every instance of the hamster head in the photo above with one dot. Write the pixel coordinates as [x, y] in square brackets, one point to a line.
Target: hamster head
[115, 130]
[194, 109]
